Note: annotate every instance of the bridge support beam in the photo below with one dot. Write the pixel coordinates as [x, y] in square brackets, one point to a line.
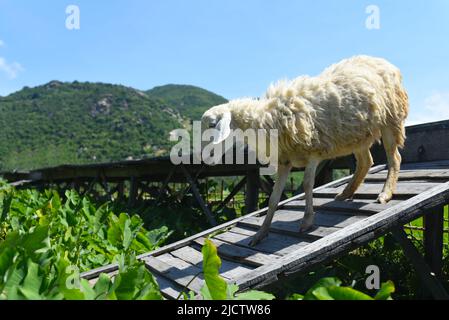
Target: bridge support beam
[133, 191]
[433, 239]
[423, 270]
[252, 190]
[198, 197]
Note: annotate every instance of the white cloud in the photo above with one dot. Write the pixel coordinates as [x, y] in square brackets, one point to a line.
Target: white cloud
[435, 108]
[10, 69]
[2, 43]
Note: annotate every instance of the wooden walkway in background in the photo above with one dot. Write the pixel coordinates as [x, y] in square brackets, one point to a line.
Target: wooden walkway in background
[339, 227]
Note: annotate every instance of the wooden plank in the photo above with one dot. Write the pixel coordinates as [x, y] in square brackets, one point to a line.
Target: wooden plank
[347, 238]
[181, 243]
[442, 164]
[372, 190]
[405, 175]
[169, 289]
[357, 206]
[181, 277]
[289, 228]
[240, 254]
[322, 218]
[228, 270]
[180, 264]
[273, 244]
[189, 254]
[424, 272]
[433, 239]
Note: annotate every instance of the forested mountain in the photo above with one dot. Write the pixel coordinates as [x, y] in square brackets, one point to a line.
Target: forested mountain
[189, 101]
[70, 123]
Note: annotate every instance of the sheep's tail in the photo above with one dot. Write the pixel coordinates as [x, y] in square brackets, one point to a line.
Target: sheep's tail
[399, 109]
[402, 103]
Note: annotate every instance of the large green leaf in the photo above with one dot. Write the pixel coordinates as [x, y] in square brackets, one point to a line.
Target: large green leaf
[14, 278]
[385, 291]
[324, 282]
[216, 285]
[347, 293]
[126, 284]
[32, 283]
[254, 295]
[36, 240]
[6, 260]
[102, 286]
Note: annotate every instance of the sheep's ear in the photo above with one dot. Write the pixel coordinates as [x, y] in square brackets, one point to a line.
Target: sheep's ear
[223, 127]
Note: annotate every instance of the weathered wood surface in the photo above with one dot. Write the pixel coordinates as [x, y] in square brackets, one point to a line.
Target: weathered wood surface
[340, 226]
[357, 206]
[181, 243]
[347, 238]
[372, 190]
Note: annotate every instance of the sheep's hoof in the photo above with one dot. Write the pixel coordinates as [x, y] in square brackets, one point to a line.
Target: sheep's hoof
[342, 197]
[305, 226]
[258, 237]
[384, 198]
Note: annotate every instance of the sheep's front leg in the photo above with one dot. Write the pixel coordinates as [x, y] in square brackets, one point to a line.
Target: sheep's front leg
[275, 197]
[309, 182]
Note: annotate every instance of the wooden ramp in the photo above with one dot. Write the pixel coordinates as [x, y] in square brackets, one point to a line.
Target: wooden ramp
[339, 227]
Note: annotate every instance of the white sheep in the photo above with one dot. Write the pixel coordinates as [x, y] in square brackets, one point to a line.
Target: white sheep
[342, 111]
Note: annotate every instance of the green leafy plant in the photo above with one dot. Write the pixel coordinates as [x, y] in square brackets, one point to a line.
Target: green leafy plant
[46, 241]
[331, 289]
[92, 236]
[216, 288]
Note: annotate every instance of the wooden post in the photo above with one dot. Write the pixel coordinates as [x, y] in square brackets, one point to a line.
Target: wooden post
[197, 195]
[165, 184]
[133, 190]
[324, 175]
[433, 239]
[121, 190]
[292, 186]
[252, 190]
[423, 270]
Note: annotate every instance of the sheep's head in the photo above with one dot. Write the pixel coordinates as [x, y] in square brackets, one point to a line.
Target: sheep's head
[218, 118]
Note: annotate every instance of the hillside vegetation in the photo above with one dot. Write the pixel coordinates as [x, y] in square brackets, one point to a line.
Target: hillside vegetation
[189, 101]
[74, 123]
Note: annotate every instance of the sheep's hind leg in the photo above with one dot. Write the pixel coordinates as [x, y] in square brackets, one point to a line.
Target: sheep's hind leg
[309, 182]
[394, 166]
[364, 163]
[275, 197]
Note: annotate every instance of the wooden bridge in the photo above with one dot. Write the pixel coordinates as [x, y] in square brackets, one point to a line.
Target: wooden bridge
[340, 227]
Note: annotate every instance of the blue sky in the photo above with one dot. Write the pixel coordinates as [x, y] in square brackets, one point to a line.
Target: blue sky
[234, 48]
